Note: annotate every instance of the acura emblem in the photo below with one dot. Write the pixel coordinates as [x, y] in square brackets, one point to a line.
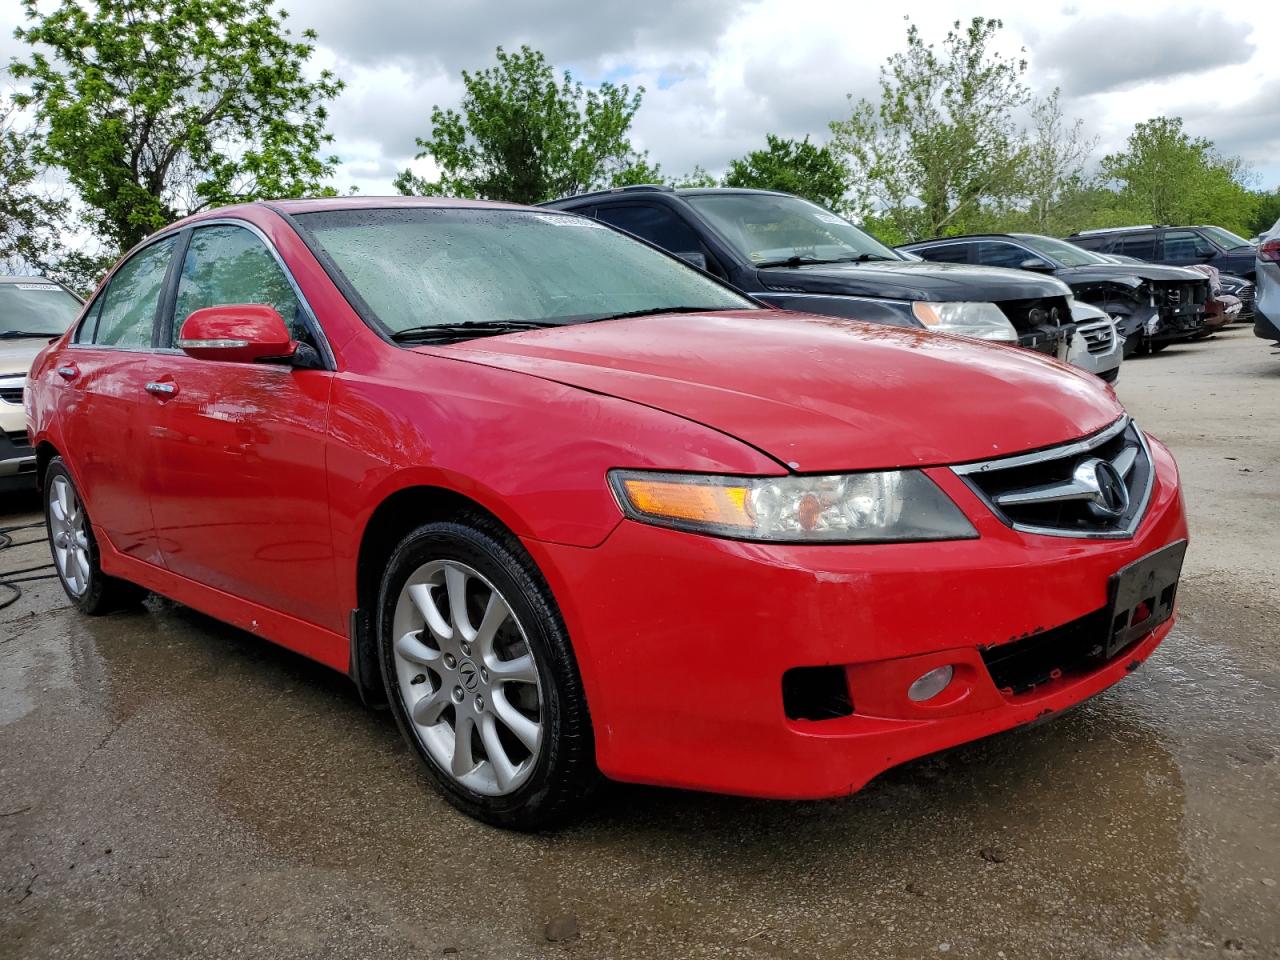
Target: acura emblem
[1109, 497]
[470, 677]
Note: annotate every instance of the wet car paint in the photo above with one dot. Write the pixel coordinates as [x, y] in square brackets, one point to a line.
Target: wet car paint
[170, 786]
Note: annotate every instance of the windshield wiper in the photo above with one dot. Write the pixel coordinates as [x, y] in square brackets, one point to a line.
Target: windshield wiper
[652, 311]
[807, 261]
[471, 328]
[27, 334]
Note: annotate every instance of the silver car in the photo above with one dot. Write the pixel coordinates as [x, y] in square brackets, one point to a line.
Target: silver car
[1266, 305]
[1096, 345]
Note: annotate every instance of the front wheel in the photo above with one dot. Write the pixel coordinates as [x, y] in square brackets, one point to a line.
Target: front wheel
[75, 550]
[481, 677]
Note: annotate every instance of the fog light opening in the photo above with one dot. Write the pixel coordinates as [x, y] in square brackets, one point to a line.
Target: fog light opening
[929, 685]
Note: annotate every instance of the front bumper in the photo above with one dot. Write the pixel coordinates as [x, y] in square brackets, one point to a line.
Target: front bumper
[17, 461]
[683, 642]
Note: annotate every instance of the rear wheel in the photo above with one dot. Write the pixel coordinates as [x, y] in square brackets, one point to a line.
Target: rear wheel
[481, 677]
[75, 550]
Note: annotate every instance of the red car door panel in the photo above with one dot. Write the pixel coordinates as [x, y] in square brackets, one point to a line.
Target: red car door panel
[102, 400]
[238, 489]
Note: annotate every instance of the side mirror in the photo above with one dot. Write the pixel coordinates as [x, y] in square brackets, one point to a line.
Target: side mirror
[1035, 263]
[238, 333]
[1205, 254]
[699, 260]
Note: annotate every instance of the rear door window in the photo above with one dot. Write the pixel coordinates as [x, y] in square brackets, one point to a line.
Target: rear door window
[946, 253]
[997, 253]
[1142, 246]
[127, 315]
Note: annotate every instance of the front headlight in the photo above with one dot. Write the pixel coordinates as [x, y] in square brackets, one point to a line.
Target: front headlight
[840, 508]
[982, 321]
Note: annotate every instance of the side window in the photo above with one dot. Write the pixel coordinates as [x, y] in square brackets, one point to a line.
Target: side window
[1140, 245]
[946, 253]
[657, 225]
[89, 322]
[127, 314]
[1186, 245]
[227, 264]
[993, 253]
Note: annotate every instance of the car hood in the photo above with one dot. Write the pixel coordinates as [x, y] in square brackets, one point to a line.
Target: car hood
[16, 355]
[1133, 273]
[913, 280]
[818, 393]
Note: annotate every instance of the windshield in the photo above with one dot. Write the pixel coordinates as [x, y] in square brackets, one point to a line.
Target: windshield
[423, 268]
[40, 309]
[772, 230]
[1067, 254]
[1224, 238]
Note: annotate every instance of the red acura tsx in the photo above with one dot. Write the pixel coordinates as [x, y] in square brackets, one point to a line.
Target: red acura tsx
[571, 507]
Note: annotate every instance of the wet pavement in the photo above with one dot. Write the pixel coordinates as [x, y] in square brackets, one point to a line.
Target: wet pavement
[170, 787]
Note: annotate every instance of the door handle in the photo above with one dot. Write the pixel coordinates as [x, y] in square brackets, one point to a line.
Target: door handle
[162, 389]
[68, 372]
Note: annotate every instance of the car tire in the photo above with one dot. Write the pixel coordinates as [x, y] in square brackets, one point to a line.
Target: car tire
[493, 708]
[75, 549]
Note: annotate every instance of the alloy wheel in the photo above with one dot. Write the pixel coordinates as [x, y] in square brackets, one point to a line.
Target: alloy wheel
[468, 680]
[70, 536]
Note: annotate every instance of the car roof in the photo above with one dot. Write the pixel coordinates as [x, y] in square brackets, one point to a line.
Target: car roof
[321, 204]
[15, 279]
[655, 188]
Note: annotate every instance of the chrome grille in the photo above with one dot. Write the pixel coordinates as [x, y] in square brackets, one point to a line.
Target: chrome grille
[11, 394]
[1099, 339]
[1097, 487]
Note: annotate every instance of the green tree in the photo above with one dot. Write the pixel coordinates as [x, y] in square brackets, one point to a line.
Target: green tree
[637, 171]
[1167, 176]
[159, 108]
[525, 136]
[29, 215]
[942, 142]
[1266, 214]
[791, 166]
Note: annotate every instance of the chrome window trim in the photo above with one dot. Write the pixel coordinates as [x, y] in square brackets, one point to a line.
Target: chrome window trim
[966, 470]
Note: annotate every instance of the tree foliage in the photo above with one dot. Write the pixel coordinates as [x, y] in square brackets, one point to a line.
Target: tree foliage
[791, 166]
[158, 108]
[1164, 175]
[525, 136]
[943, 140]
[29, 216]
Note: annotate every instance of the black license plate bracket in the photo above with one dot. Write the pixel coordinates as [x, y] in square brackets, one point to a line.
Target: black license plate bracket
[1142, 596]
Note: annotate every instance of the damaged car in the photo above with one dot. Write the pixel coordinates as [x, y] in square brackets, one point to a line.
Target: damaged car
[1153, 306]
[796, 255]
[568, 507]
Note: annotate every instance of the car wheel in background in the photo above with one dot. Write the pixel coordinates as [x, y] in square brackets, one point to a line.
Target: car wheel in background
[481, 677]
[75, 551]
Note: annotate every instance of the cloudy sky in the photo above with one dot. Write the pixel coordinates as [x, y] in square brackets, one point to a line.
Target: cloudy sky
[719, 74]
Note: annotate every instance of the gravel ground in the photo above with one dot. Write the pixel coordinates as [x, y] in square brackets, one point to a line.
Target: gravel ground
[170, 787]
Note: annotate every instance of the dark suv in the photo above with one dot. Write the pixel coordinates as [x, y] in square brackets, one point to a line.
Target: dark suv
[795, 255]
[1175, 246]
[1153, 305]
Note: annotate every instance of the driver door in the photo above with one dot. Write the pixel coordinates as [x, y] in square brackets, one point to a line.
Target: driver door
[239, 493]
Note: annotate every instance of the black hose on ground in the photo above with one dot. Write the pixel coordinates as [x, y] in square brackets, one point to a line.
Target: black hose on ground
[10, 592]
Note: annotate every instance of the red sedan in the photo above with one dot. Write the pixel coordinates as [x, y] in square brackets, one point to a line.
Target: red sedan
[572, 507]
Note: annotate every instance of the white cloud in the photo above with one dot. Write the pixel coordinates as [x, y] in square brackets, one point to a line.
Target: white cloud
[720, 74]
